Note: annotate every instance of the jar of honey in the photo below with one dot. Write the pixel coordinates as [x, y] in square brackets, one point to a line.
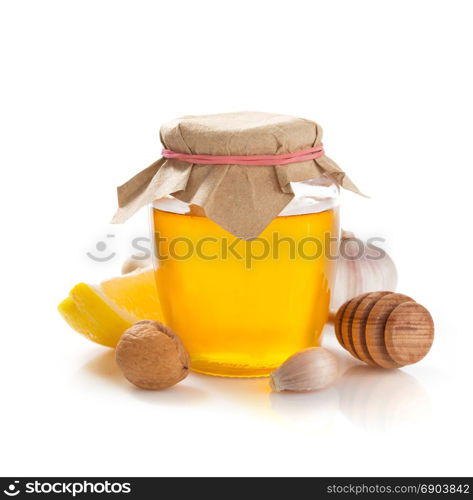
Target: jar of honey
[245, 221]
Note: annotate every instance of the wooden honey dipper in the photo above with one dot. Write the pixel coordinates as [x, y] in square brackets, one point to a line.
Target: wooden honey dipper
[385, 329]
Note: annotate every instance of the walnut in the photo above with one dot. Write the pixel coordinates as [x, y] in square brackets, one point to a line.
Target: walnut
[152, 356]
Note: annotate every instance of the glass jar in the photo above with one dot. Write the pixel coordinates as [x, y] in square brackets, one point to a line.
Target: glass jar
[243, 307]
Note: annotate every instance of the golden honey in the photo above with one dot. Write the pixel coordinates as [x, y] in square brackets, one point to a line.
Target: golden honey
[243, 307]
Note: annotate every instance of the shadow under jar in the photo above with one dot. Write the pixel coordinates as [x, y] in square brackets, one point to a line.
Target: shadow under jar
[243, 307]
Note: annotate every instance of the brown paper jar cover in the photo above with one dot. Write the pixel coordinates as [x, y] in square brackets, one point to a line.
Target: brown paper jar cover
[240, 198]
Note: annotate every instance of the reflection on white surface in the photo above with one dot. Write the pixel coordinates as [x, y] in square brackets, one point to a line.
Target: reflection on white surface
[382, 400]
[248, 395]
[373, 399]
[180, 395]
[104, 367]
[315, 411]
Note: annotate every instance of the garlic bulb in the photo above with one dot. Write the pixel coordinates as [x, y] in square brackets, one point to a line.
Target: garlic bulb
[132, 264]
[308, 370]
[361, 268]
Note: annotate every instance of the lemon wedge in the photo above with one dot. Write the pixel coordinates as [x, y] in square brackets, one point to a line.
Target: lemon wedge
[103, 312]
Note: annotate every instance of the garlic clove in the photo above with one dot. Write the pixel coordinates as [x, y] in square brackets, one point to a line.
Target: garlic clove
[308, 370]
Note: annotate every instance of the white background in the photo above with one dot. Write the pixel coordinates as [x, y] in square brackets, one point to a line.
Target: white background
[84, 87]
